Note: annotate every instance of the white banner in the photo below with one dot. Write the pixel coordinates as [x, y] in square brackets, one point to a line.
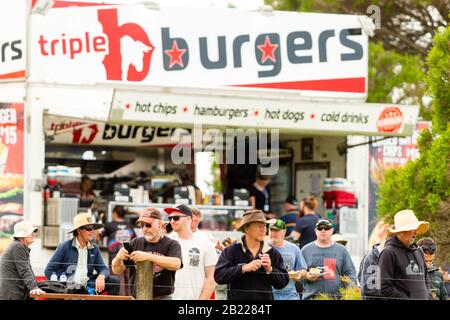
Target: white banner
[13, 25]
[287, 115]
[317, 54]
[63, 130]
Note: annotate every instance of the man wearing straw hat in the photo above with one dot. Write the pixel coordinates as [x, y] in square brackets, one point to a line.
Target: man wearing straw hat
[79, 257]
[403, 271]
[250, 266]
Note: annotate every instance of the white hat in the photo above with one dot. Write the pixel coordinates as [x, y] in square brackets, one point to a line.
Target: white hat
[23, 229]
[406, 220]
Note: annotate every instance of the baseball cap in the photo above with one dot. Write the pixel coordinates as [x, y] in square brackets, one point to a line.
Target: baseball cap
[179, 208]
[292, 200]
[147, 214]
[278, 224]
[324, 222]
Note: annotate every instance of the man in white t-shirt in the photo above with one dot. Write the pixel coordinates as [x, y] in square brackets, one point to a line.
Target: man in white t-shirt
[196, 280]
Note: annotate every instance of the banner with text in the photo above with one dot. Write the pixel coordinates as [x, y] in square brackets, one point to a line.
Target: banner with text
[287, 115]
[317, 54]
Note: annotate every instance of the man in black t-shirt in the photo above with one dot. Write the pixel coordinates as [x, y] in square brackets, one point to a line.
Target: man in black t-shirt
[116, 232]
[163, 252]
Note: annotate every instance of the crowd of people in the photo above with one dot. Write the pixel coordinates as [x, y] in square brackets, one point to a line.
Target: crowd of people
[281, 259]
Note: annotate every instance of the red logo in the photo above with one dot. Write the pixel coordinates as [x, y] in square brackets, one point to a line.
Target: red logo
[85, 135]
[130, 49]
[390, 120]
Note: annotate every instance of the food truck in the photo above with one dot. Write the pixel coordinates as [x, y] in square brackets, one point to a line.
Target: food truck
[127, 94]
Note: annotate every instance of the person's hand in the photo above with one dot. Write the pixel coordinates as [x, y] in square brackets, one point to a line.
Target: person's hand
[266, 262]
[37, 291]
[295, 275]
[252, 266]
[123, 254]
[139, 256]
[219, 246]
[312, 276]
[100, 283]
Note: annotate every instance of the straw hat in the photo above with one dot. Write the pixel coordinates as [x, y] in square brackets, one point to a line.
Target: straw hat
[406, 220]
[252, 216]
[84, 219]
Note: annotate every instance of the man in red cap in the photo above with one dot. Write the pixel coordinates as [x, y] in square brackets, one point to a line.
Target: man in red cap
[165, 253]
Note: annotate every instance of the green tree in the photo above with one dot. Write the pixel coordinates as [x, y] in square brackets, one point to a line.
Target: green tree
[424, 185]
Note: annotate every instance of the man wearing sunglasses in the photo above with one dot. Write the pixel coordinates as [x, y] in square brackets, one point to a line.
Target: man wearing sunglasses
[153, 246]
[79, 257]
[435, 278]
[196, 280]
[330, 266]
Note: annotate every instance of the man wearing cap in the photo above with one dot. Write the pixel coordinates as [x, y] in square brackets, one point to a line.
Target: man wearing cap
[435, 278]
[196, 280]
[403, 271]
[153, 246]
[17, 278]
[291, 209]
[330, 266]
[77, 258]
[293, 261]
[250, 266]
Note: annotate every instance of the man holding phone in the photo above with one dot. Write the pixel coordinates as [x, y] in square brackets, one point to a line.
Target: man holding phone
[163, 252]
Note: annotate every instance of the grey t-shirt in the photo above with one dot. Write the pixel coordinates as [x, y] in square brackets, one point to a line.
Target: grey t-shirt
[336, 262]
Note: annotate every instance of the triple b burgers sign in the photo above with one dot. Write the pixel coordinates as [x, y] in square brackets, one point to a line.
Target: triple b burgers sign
[317, 54]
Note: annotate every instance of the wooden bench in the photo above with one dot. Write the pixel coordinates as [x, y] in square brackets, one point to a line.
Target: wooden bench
[72, 296]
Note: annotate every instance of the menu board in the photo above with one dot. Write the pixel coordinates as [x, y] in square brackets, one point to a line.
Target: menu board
[11, 169]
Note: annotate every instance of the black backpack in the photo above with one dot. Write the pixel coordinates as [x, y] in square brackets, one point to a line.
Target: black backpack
[62, 287]
[53, 286]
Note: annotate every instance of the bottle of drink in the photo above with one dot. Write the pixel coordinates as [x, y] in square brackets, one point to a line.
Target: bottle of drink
[54, 277]
[63, 277]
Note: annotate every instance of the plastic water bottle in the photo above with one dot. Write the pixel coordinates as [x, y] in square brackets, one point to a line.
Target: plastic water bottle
[54, 277]
[63, 278]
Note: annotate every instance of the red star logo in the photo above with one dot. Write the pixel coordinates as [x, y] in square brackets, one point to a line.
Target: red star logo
[312, 115]
[185, 109]
[127, 106]
[175, 55]
[256, 113]
[268, 50]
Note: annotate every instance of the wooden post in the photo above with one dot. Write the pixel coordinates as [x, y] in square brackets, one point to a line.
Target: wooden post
[144, 280]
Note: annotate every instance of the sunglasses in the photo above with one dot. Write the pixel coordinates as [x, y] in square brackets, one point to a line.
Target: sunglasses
[429, 249]
[323, 228]
[88, 228]
[143, 224]
[176, 218]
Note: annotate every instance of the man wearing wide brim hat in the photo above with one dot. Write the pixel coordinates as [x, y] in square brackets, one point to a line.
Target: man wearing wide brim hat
[403, 272]
[77, 258]
[250, 266]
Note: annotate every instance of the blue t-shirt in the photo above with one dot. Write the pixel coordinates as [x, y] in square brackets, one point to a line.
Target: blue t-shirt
[293, 261]
[290, 219]
[306, 225]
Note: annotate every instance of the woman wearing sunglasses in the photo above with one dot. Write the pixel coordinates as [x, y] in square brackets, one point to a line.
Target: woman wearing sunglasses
[79, 257]
[436, 281]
